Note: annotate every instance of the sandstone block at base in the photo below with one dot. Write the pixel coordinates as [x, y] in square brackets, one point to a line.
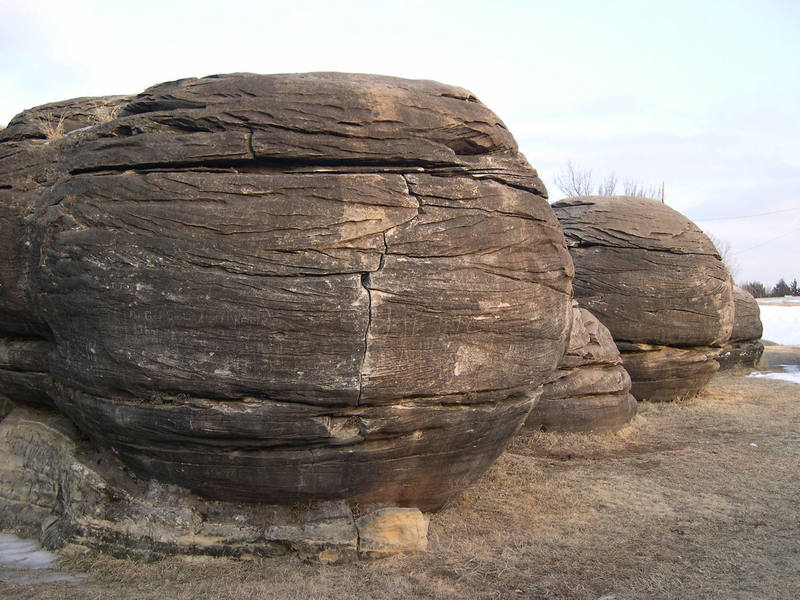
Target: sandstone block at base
[392, 529]
[57, 489]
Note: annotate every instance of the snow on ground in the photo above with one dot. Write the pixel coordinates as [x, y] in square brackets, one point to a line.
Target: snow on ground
[26, 562]
[781, 320]
[790, 373]
[17, 553]
[781, 300]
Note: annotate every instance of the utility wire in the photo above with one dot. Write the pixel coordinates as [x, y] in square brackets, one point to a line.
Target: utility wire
[774, 212]
[783, 235]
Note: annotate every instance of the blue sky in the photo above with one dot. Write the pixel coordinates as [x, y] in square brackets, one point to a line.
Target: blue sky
[703, 96]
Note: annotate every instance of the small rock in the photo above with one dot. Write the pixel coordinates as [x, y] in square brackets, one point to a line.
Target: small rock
[391, 530]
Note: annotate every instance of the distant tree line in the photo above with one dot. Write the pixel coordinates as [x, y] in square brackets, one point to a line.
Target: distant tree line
[780, 289]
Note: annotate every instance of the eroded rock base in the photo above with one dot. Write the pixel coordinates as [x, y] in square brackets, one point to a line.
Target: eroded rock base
[667, 374]
[740, 354]
[54, 487]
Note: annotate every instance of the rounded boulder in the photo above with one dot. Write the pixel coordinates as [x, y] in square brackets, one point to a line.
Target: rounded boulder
[657, 282]
[293, 287]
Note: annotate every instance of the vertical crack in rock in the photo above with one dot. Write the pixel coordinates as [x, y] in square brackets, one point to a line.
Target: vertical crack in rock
[416, 199]
[250, 144]
[365, 284]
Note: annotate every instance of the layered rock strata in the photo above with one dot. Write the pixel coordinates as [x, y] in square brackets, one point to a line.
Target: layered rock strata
[57, 488]
[590, 390]
[744, 348]
[282, 288]
[666, 373]
[657, 282]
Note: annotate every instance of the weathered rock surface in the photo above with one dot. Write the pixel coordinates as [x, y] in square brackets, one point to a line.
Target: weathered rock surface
[590, 391]
[24, 375]
[747, 317]
[283, 288]
[744, 347]
[655, 280]
[5, 406]
[33, 149]
[666, 373]
[56, 488]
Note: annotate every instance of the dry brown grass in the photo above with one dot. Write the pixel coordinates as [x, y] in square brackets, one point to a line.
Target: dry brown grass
[106, 113]
[679, 505]
[52, 126]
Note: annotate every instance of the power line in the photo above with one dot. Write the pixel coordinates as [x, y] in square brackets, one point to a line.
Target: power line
[783, 235]
[774, 212]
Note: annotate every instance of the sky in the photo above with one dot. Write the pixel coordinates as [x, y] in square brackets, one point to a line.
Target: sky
[702, 96]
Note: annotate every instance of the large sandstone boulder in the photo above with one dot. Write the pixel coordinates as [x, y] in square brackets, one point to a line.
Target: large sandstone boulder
[590, 390]
[282, 288]
[744, 348]
[657, 282]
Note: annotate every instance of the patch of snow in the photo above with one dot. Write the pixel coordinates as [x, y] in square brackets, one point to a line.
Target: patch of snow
[26, 554]
[783, 300]
[26, 562]
[781, 322]
[790, 373]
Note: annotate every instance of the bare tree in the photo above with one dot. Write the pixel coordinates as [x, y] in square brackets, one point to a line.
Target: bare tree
[573, 182]
[608, 187]
[756, 289]
[726, 253]
[637, 190]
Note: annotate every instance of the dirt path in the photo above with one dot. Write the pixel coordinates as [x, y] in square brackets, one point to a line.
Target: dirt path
[694, 500]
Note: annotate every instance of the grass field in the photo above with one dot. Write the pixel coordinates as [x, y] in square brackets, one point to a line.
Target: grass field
[695, 500]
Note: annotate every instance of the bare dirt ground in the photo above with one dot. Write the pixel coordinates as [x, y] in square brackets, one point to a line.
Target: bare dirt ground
[698, 499]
